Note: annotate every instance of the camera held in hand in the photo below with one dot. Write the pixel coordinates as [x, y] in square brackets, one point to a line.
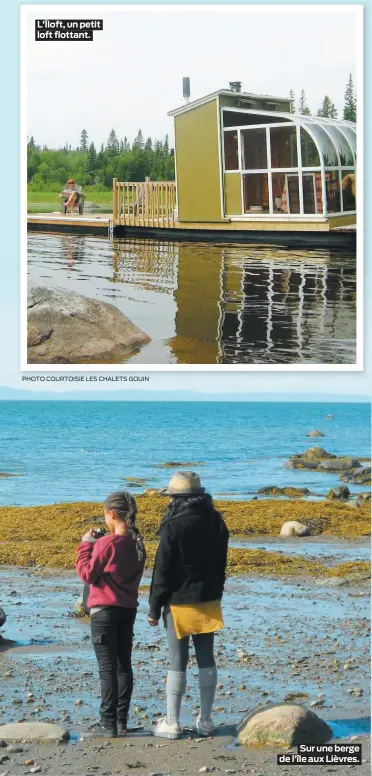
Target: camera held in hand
[97, 533]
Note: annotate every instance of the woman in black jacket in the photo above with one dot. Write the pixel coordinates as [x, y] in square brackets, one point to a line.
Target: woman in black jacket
[187, 584]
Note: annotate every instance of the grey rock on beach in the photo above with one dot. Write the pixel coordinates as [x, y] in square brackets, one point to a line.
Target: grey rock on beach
[67, 328]
[33, 731]
[284, 725]
[294, 528]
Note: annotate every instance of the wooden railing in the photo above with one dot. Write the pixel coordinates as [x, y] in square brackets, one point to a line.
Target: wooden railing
[144, 204]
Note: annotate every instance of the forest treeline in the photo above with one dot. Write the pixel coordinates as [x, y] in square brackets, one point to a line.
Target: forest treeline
[49, 169]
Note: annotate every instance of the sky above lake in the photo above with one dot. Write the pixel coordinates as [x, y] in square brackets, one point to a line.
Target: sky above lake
[130, 75]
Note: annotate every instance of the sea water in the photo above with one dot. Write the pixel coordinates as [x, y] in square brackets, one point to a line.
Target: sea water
[80, 451]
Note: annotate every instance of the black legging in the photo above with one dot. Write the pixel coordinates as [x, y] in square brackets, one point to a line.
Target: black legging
[112, 638]
[179, 648]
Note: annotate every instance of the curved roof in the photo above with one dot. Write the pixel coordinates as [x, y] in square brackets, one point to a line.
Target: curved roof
[335, 139]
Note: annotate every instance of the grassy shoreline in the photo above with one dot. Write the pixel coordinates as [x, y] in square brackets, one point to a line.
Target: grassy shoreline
[48, 535]
[49, 201]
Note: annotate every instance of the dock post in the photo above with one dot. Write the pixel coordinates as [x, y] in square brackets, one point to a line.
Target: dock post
[115, 201]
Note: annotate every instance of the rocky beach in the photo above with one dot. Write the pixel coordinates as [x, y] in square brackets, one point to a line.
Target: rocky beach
[295, 494]
[296, 613]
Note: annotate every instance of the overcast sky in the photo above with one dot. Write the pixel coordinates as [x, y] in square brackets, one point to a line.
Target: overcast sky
[130, 76]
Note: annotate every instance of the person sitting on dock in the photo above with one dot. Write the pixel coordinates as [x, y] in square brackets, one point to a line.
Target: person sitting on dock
[70, 195]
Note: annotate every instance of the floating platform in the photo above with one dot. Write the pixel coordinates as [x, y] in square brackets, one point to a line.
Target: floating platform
[287, 235]
[76, 224]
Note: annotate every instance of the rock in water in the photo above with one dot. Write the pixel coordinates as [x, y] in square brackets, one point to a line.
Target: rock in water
[316, 453]
[339, 465]
[2, 617]
[315, 434]
[341, 493]
[294, 528]
[359, 475]
[285, 725]
[33, 731]
[67, 328]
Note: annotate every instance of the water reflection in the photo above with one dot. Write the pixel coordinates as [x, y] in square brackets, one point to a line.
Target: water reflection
[205, 303]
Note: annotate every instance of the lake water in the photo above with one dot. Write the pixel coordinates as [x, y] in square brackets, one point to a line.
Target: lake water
[80, 451]
[206, 303]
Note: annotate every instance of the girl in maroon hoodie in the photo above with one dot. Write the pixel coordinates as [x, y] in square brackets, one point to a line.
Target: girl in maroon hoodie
[113, 566]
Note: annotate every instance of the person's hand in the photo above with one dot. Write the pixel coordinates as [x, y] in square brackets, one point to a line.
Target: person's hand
[152, 622]
[88, 537]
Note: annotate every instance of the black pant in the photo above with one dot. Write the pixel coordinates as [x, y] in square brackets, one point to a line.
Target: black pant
[112, 638]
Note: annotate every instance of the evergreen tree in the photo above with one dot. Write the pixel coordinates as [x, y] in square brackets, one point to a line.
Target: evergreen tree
[350, 105]
[31, 142]
[166, 145]
[138, 140]
[292, 97]
[148, 144]
[328, 109]
[302, 105]
[84, 140]
[112, 143]
[126, 144]
[92, 158]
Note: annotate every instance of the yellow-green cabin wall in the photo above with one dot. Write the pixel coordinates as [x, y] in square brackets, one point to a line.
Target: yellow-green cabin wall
[197, 164]
[233, 195]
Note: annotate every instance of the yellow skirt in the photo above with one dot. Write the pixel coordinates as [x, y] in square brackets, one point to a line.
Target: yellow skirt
[191, 619]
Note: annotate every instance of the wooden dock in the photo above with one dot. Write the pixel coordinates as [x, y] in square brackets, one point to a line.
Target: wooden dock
[149, 210]
[76, 224]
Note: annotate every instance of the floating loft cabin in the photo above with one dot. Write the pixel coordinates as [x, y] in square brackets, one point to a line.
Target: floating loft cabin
[245, 163]
[246, 158]
[248, 168]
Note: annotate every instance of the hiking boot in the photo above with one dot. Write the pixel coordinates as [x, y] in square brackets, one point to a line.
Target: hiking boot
[203, 727]
[100, 730]
[162, 730]
[122, 728]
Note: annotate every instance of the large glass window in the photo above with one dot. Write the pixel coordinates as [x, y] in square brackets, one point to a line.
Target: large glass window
[309, 152]
[348, 187]
[332, 184]
[283, 141]
[231, 150]
[286, 194]
[312, 192]
[254, 152]
[326, 152]
[256, 193]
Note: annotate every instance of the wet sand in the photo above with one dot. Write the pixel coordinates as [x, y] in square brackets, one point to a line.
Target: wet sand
[282, 637]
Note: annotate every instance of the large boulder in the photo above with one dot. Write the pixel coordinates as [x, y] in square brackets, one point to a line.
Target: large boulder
[294, 528]
[285, 725]
[299, 462]
[33, 731]
[360, 475]
[339, 465]
[2, 617]
[315, 453]
[67, 328]
[341, 493]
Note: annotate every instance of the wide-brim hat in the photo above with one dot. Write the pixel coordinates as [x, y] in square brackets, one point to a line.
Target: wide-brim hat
[184, 484]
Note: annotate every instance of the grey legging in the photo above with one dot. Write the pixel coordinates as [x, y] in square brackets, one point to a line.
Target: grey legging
[179, 648]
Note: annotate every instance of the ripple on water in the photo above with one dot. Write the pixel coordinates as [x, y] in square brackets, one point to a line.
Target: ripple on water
[213, 303]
